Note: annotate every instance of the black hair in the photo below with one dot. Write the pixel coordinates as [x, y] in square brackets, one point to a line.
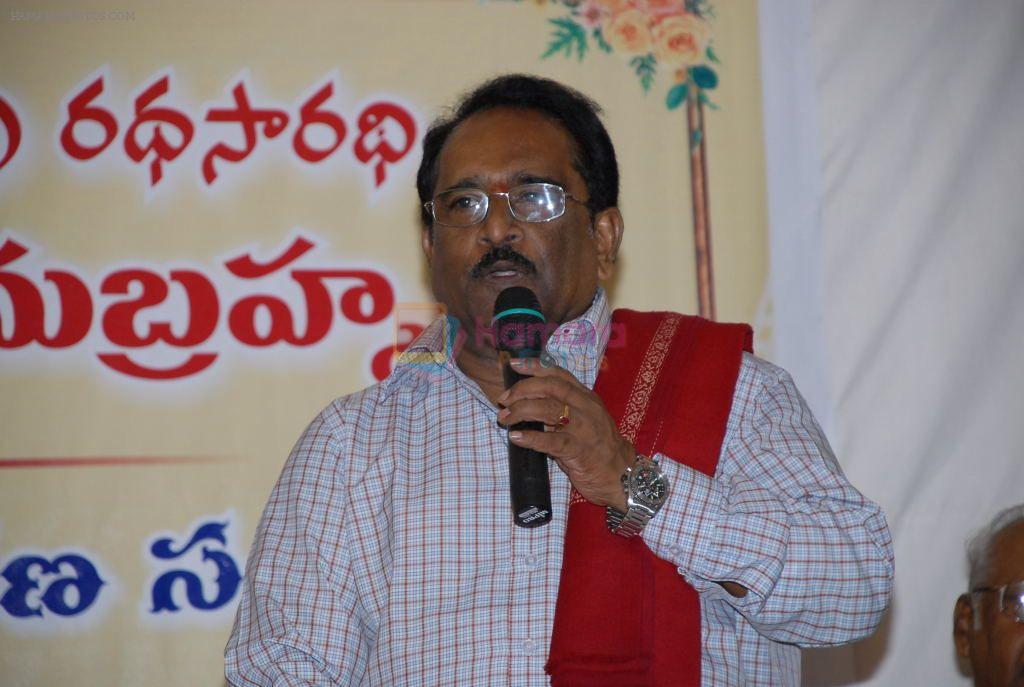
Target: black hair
[594, 155]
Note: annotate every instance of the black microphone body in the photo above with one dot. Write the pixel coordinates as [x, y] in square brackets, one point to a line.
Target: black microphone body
[519, 333]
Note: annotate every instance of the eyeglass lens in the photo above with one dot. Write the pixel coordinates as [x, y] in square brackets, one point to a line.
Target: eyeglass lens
[1013, 600]
[463, 207]
[1009, 597]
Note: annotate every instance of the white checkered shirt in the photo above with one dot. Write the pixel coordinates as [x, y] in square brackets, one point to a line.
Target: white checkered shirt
[387, 555]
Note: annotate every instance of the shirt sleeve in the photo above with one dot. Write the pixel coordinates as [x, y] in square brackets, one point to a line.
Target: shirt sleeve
[300, 620]
[781, 519]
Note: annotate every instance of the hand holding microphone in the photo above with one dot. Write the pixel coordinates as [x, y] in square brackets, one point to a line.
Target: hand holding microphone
[586, 444]
[519, 333]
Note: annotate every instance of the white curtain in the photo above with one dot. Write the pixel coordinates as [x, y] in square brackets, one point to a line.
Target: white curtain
[895, 141]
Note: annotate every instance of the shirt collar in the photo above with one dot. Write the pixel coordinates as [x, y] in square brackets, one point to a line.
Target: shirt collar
[577, 345]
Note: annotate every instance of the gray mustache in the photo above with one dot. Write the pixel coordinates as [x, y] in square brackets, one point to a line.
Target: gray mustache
[498, 254]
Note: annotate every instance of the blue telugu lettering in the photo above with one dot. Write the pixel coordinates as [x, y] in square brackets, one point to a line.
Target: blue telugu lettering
[19, 573]
[227, 579]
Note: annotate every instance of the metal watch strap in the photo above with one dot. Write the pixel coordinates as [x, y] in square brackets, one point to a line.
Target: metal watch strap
[630, 523]
[637, 515]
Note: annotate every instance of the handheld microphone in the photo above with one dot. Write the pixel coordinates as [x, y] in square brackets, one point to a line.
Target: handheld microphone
[519, 326]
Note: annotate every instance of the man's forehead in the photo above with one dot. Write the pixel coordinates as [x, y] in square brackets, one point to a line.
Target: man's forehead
[506, 146]
[1007, 556]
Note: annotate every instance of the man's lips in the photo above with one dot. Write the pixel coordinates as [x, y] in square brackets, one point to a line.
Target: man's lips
[503, 269]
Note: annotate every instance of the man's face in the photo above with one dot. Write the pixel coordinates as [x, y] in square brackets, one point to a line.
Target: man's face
[496, 150]
[993, 642]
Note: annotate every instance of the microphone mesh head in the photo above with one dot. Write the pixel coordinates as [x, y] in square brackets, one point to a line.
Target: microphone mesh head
[518, 321]
[515, 301]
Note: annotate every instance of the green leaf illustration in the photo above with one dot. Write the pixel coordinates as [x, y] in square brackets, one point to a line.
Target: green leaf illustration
[704, 76]
[676, 95]
[601, 42]
[702, 8]
[707, 101]
[645, 68]
[712, 57]
[568, 35]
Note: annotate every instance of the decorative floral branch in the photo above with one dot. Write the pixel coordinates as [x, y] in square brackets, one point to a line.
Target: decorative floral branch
[673, 34]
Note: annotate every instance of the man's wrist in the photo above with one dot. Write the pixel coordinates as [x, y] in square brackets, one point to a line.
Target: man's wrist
[619, 503]
[627, 459]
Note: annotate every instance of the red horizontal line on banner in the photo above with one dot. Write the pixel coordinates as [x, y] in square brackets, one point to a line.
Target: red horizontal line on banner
[101, 461]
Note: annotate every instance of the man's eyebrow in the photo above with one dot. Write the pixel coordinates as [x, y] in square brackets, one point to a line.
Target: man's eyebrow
[528, 178]
[517, 178]
[467, 182]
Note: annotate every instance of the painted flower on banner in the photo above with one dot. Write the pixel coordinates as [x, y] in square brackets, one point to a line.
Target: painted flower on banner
[627, 31]
[673, 35]
[669, 41]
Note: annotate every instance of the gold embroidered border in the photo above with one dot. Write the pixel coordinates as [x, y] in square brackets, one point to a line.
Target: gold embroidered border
[647, 378]
[643, 386]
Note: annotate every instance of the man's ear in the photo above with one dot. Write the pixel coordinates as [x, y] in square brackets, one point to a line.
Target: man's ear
[963, 626]
[608, 228]
[427, 242]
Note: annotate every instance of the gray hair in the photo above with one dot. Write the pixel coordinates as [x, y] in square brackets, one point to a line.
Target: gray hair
[980, 546]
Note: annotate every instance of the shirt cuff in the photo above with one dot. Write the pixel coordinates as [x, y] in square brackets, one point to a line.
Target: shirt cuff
[694, 531]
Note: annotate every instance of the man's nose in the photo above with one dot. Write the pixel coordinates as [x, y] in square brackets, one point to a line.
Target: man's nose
[499, 226]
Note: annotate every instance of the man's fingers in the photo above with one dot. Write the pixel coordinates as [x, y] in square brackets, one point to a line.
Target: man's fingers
[543, 387]
[546, 410]
[552, 443]
[539, 367]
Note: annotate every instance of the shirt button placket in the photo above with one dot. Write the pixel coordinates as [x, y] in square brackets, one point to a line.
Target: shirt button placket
[528, 614]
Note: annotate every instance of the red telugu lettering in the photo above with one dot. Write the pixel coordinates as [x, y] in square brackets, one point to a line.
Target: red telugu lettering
[81, 110]
[13, 128]
[119, 321]
[274, 122]
[367, 297]
[310, 113]
[162, 149]
[373, 120]
[319, 308]
[119, 362]
[119, 317]
[29, 307]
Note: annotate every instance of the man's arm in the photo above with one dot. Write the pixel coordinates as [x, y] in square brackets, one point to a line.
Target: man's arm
[301, 620]
[780, 520]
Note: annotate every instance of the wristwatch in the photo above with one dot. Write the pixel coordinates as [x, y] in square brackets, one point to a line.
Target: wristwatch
[646, 490]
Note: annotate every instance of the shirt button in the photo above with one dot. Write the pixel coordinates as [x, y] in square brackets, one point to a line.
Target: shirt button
[531, 561]
[675, 550]
[529, 645]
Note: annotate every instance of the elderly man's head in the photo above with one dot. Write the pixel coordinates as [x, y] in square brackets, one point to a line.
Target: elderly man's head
[988, 624]
[519, 187]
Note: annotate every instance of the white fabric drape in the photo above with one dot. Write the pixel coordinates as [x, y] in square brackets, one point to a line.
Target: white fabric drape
[895, 142]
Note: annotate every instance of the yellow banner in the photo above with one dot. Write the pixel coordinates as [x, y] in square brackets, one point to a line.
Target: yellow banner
[209, 229]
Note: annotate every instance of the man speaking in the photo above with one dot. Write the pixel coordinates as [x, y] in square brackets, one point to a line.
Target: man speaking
[701, 529]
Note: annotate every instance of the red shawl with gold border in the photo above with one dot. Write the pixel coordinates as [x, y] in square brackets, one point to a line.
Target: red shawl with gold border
[624, 617]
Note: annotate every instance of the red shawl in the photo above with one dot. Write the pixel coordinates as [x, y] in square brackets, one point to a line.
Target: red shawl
[624, 617]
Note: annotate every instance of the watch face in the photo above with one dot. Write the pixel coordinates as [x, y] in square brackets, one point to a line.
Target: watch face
[650, 485]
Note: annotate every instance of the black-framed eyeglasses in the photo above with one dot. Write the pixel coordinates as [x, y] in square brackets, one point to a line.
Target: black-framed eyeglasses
[464, 207]
[1011, 598]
